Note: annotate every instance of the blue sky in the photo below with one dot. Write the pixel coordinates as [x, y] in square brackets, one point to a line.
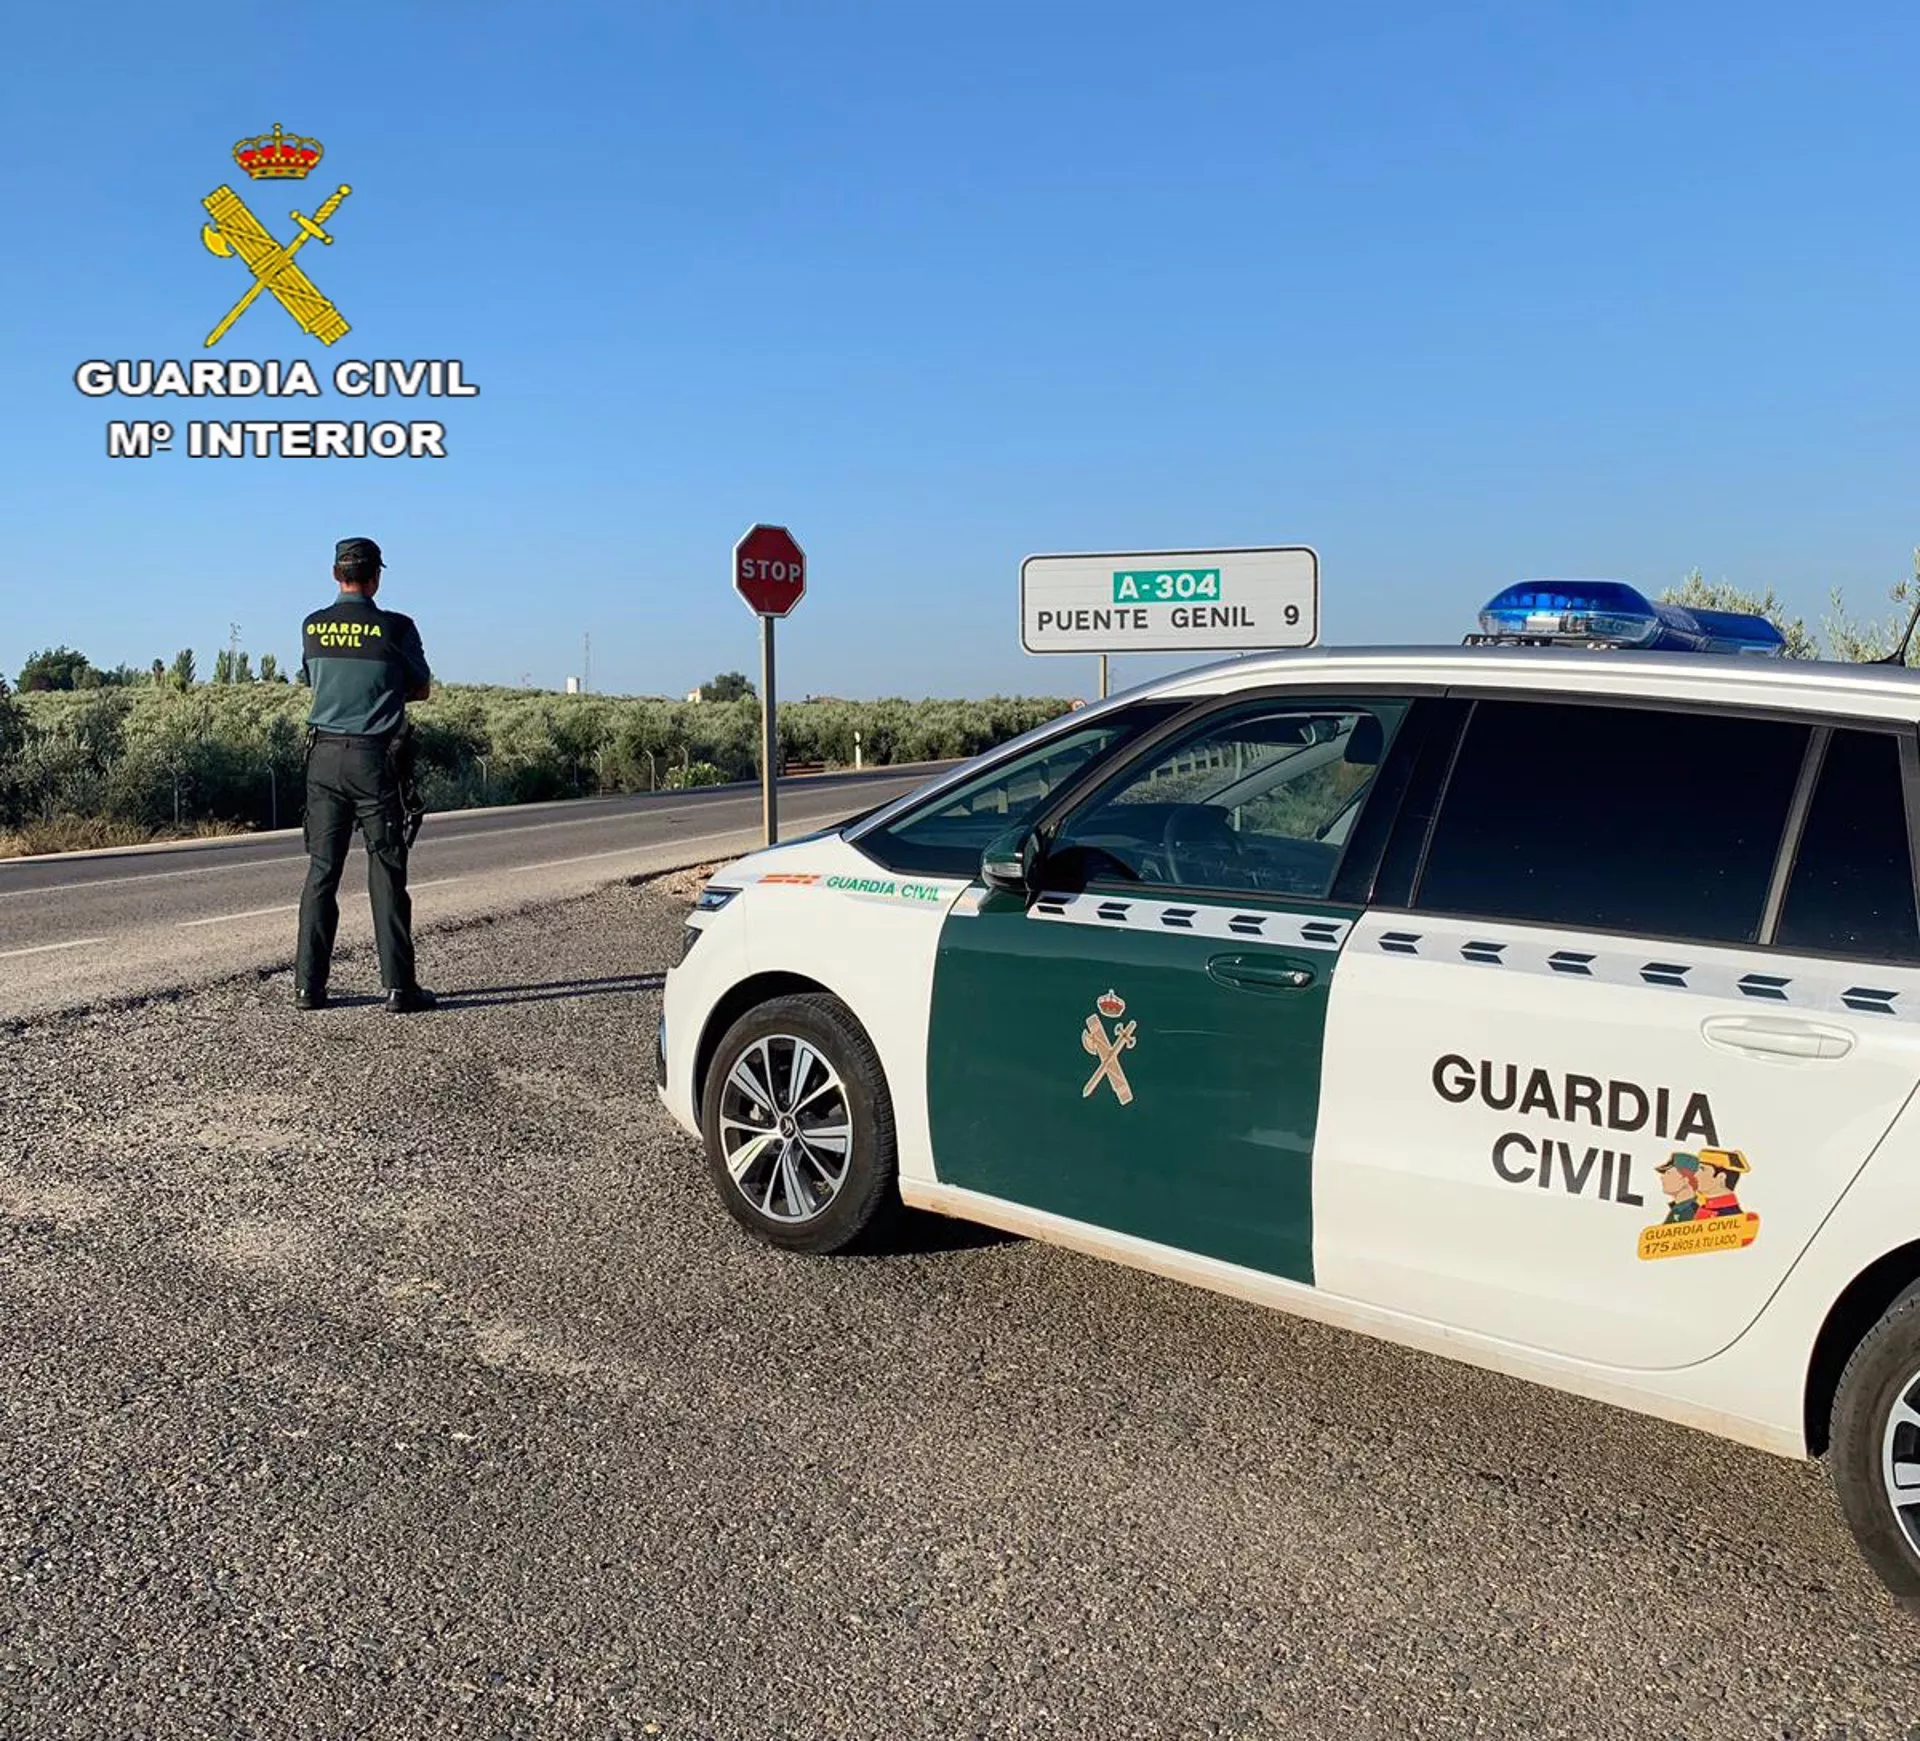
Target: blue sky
[1453, 293]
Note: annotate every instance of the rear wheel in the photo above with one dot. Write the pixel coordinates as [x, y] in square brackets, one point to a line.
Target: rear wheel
[799, 1126]
[1875, 1452]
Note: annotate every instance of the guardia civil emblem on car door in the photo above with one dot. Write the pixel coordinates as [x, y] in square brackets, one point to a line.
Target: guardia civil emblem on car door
[1107, 1047]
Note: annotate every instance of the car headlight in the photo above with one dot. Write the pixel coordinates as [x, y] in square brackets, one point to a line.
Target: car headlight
[710, 900]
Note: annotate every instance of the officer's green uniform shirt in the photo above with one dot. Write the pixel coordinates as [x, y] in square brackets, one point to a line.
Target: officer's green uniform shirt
[360, 661]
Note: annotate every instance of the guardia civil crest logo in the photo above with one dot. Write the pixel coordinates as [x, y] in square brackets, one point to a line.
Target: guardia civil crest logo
[257, 265]
[236, 233]
[1098, 1043]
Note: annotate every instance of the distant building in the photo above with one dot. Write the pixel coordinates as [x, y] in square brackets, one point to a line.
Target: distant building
[693, 695]
[573, 685]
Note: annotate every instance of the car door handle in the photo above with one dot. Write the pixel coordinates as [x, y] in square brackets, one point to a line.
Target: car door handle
[1261, 972]
[1776, 1037]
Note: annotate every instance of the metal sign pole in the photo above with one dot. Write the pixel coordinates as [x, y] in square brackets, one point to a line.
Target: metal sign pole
[769, 734]
[1103, 677]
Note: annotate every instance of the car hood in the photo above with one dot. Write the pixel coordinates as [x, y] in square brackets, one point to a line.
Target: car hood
[821, 851]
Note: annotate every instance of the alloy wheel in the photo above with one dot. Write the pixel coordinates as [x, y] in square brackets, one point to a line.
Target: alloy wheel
[786, 1130]
[1900, 1460]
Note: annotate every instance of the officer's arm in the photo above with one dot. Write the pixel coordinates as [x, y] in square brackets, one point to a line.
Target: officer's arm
[419, 677]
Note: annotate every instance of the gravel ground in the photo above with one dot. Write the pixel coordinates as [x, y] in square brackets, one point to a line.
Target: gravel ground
[403, 1379]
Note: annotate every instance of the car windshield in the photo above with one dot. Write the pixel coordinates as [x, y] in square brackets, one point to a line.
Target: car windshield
[1255, 799]
[946, 834]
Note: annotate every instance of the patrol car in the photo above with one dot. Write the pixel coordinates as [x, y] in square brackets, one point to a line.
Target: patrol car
[1551, 1004]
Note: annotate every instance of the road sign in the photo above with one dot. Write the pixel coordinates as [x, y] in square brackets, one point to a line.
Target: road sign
[1171, 601]
[769, 571]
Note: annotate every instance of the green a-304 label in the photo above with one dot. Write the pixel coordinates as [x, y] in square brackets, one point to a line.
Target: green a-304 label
[1137, 586]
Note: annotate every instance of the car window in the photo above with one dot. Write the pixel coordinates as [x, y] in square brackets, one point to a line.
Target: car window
[1660, 822]
[1851, 891]
[1259, 800]
[947, 835]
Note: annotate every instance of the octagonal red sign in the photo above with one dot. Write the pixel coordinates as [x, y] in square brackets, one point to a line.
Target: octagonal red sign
[769, 571]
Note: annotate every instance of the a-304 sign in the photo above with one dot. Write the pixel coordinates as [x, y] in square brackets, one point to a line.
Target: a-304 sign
[1171, 601]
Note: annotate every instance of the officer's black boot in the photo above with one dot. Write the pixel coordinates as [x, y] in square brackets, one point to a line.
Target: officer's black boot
[310, 997]
[404, 1000]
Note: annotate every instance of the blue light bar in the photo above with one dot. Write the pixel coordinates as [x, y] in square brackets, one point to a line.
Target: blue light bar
[1609, 613]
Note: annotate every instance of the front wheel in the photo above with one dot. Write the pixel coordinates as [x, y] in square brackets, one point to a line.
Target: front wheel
[799, 1126]
[1875, 1451]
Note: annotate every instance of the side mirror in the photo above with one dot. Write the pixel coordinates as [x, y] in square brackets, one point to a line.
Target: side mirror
[1010, 862]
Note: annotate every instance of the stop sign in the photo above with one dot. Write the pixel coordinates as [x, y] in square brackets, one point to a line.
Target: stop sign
[769, 571]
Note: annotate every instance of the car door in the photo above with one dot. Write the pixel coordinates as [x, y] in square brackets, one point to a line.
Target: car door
[1138, 1045]
[1624, 1025]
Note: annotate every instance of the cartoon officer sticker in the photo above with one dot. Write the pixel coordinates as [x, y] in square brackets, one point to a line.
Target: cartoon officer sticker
[1680, 1180]
[1720, 1173]
[1703, 1206]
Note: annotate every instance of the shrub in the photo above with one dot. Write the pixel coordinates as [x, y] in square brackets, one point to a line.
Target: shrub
[231, 754]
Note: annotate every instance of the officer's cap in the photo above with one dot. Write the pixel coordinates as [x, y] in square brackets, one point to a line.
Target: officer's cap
[1685, 1163]
[1725, 1160]
[358, 550]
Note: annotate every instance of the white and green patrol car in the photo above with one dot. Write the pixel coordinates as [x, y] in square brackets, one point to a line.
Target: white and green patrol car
[1552, 1010]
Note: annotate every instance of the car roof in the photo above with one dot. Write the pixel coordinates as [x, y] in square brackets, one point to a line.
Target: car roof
[1816, 685]
[1890, 692]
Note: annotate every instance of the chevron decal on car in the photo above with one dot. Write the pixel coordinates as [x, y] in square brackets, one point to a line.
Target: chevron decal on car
[1293, 930]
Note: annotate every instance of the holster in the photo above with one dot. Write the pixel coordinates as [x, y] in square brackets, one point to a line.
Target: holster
[403, 758]
[306, 774]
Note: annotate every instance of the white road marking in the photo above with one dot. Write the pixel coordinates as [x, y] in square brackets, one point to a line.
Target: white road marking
[265, 912]
[48, 948]
[228, 918]
[130, 882]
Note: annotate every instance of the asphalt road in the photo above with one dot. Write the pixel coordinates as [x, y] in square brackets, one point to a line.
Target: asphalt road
[404, 1379]
[89, 928]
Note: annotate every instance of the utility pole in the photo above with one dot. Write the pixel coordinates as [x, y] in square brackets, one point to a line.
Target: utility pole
[233, 652]
[586, 664]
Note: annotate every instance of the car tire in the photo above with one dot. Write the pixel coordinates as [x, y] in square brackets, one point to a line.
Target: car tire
[770, 1149]
[1876, 1425]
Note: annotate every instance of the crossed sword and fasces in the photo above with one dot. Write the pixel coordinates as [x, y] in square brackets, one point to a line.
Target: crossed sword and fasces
[1095, 1042]
[235, 230]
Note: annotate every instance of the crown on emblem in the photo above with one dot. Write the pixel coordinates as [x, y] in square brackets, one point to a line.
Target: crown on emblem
[277, 156]
[1112, 1005]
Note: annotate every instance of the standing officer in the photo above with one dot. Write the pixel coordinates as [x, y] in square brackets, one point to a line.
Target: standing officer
[363, 665]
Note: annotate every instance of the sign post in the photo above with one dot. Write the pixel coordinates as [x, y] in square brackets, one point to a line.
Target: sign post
[1170, 601]
[769, 738]
[770, 573]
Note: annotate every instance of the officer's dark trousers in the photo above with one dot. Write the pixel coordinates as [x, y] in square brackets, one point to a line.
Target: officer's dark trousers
[350, 782]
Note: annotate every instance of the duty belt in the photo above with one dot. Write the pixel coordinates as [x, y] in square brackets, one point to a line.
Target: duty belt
[401, 748]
